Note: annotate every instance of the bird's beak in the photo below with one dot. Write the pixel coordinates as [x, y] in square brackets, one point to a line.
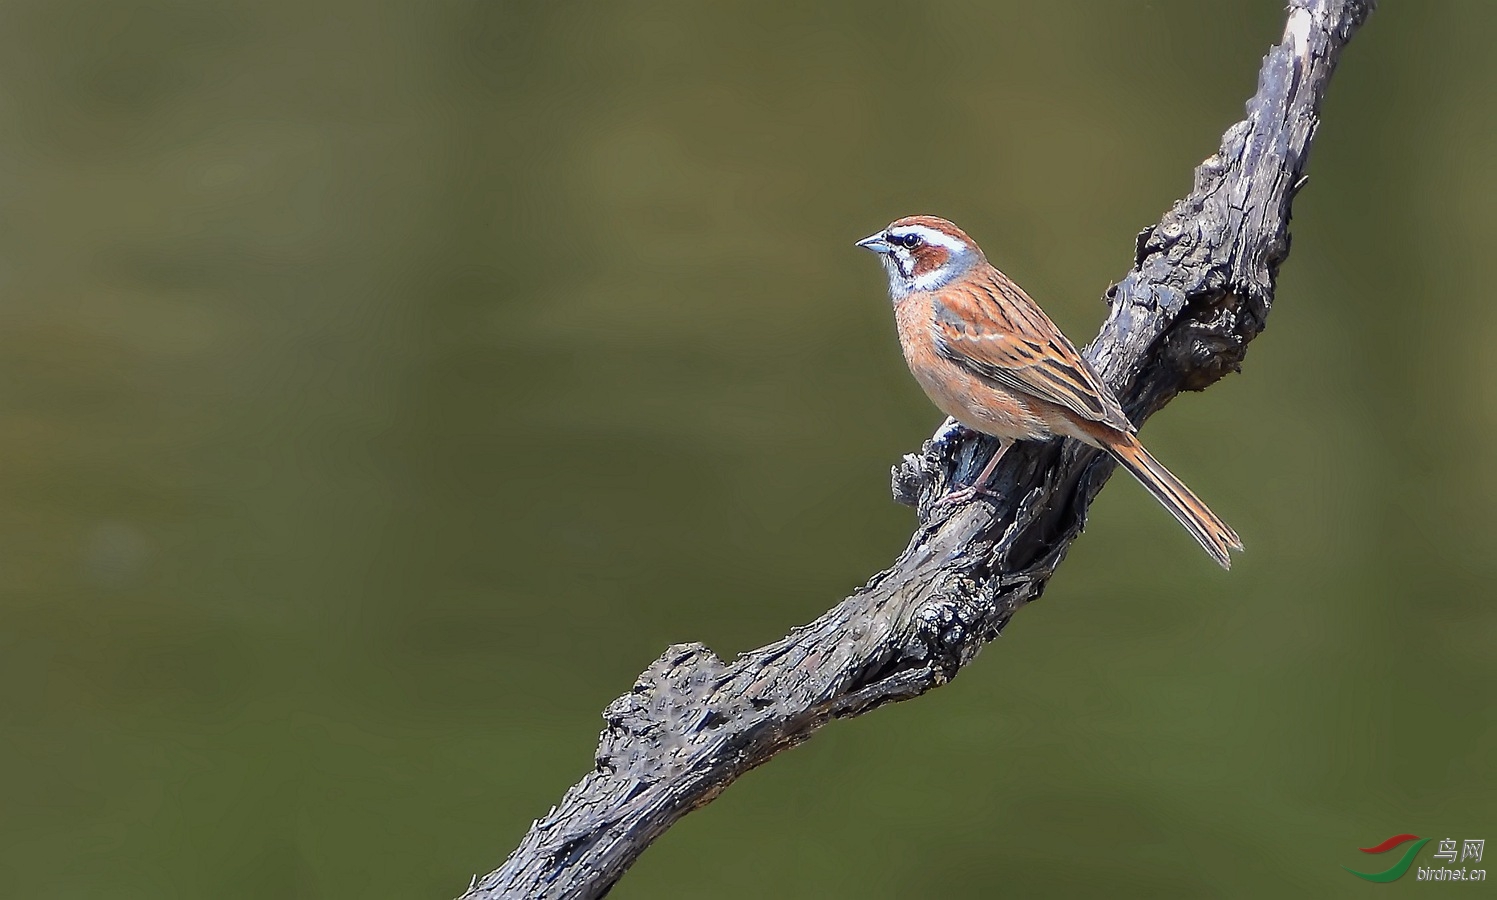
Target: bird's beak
[875, 243]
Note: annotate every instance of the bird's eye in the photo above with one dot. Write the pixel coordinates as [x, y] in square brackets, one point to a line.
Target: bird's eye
[909, 241]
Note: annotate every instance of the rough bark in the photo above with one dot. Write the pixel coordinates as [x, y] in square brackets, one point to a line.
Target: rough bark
[1200, 290]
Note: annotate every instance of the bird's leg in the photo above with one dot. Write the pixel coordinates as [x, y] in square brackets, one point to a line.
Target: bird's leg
[979, 486]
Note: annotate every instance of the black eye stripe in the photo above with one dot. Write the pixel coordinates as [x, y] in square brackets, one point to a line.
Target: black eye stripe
[908, 241]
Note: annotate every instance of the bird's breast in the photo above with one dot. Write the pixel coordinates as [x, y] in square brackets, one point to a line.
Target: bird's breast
[957, 391]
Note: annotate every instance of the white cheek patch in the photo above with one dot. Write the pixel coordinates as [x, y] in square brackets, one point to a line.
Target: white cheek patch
[933, 279]
[905, 261]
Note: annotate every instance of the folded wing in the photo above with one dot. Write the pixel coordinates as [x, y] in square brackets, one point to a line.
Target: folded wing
[1011, 342]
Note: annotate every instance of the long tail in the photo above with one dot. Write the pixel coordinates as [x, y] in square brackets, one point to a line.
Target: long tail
[1211, 532]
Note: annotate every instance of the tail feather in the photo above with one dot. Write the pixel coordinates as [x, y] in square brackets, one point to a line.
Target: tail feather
[1214, 535]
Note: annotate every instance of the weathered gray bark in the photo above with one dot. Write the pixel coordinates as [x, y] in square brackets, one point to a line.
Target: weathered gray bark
[1201, 289]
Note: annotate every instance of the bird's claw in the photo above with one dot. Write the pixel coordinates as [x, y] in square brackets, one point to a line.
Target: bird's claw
[963, 495]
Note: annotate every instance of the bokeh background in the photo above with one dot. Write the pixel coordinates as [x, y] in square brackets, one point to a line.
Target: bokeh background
[384, 385]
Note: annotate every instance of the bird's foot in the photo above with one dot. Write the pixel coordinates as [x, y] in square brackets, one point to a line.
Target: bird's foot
[963, 495]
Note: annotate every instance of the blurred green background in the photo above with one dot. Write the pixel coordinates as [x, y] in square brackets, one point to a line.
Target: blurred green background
[384, 385]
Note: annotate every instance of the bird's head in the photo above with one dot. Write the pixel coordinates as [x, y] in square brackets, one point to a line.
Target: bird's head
[922, 253]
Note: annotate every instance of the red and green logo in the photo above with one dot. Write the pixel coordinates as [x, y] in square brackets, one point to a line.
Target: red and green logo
[1399, 868]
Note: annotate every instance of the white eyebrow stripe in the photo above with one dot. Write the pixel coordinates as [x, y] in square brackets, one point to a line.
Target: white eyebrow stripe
[930, 236]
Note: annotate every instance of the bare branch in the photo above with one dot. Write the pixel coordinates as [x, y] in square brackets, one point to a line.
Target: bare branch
[1200, 290]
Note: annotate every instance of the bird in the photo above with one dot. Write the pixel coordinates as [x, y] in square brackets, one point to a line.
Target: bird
[989, 357]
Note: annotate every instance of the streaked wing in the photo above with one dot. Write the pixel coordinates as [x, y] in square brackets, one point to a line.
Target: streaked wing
[992, 328]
